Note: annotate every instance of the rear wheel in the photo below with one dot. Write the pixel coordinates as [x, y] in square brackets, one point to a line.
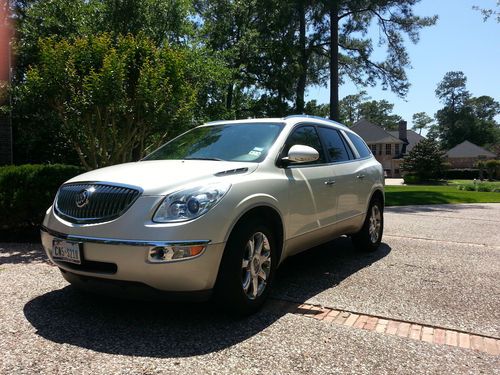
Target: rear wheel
[370, 236]
[247, 268]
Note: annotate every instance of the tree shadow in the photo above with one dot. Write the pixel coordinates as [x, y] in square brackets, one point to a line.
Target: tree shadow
[436, 208]
[323, 267]
[15, 253]
[173, 330]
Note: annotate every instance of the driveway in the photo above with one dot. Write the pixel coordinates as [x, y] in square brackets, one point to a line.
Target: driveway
[439, 266]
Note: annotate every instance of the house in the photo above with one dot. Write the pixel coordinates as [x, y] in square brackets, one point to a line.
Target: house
[388, 147]
[467, 154]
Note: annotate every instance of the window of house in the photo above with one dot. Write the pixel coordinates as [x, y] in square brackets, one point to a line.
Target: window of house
[388, 149]
[373, 148]
[396, 148]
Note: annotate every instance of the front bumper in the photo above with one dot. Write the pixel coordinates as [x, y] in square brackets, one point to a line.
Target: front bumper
[127, 261]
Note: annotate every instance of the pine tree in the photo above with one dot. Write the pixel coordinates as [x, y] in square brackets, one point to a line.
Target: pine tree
[425, 161]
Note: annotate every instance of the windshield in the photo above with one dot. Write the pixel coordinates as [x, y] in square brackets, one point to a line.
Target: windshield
[229, 142]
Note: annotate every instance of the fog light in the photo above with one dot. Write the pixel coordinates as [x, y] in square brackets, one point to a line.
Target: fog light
[160, 254]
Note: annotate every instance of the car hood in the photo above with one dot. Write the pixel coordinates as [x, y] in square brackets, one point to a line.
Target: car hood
[158, 177]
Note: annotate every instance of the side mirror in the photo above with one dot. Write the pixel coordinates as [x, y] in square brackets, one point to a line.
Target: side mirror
[301, 154]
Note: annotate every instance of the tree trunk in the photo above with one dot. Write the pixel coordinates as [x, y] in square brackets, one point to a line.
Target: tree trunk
[301, 83]
[229, 97]
[334, 62]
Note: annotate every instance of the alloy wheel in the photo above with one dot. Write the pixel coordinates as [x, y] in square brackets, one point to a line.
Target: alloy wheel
[256, 265]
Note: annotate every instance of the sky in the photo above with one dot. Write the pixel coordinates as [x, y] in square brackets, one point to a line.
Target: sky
[460, 41]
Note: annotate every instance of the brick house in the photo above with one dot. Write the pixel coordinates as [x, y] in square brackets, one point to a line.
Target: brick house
[388, 147]
[467, 154]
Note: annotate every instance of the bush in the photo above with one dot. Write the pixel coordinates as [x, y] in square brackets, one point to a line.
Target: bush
[426, 161]
[479, 186]
[26, 191]
[467, 187]
[492, 166]
[461, 174]
[411, 179]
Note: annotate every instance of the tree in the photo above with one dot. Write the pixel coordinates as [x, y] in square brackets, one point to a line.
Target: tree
[379, 112]
[421, 120]
[452, 91]
[464, 117]
[492, 166]
[113, 96]
[160, 20]
[426, 161]
[351, 50]
[163, 22]
[349, 107]
[313, 108]
[265, 44]
[488, 12]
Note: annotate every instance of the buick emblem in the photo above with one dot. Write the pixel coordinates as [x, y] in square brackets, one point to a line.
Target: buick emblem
[82, 198]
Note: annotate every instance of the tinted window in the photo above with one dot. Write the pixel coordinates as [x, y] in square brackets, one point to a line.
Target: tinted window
[239, 142]
[334, 144]
[307, 136]
[360, 145]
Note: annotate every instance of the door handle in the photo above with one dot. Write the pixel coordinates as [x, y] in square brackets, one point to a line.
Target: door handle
[360, 176]
[329, 182]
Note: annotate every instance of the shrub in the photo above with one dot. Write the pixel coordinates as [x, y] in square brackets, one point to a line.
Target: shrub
[411, 179]
[492, 167]
[467, 187]
[461, 174]
[482, 187]
[426, 161]
[26, 191]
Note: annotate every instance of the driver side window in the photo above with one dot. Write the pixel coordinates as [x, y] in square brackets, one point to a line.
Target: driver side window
[307, 136]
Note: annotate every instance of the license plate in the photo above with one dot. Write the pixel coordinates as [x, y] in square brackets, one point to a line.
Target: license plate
[67, 251]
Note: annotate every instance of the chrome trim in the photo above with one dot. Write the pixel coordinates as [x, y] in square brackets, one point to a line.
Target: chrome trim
[91, 220]
[104, 182]
[115, 241]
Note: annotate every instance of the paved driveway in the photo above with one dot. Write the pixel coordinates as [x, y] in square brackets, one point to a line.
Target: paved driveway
[439, 266]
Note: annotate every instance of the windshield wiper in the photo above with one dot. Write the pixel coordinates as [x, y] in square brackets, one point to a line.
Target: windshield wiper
[196, 158]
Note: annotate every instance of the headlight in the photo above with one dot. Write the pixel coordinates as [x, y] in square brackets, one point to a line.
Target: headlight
[190, 203]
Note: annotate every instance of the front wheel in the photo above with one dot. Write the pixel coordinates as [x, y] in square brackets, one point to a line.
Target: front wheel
[370, 236]
[247, 268]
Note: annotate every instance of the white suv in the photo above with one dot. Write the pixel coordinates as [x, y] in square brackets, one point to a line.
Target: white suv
[217, 209]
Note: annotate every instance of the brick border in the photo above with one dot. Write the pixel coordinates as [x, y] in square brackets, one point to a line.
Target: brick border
[421, 332]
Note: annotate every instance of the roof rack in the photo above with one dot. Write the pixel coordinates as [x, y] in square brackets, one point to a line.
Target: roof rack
[315, 117]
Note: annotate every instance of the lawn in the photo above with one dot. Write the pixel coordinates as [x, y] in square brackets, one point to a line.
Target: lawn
[435, 194]
[466, 182]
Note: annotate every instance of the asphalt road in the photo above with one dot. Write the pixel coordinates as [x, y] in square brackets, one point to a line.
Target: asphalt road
[438, 266]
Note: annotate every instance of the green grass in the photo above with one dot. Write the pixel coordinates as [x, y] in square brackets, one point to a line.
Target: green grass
[435, 194]
[466, 182]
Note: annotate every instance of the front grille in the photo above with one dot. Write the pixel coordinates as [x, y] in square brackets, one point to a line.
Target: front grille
[93, 202]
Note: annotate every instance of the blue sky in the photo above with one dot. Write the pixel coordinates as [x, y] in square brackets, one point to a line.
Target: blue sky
[459, 41]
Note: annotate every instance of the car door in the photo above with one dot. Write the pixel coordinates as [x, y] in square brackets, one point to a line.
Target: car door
[365, 173]
[310, 198]
[343, 188]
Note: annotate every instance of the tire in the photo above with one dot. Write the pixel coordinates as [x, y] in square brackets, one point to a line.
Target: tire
[244, 277]
[368, 239]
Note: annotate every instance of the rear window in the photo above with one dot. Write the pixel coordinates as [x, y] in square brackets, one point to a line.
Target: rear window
[360, 145]
[335, 147]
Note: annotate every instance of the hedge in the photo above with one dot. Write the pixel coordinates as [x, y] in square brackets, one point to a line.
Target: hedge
[461, 174]
[26, 191]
